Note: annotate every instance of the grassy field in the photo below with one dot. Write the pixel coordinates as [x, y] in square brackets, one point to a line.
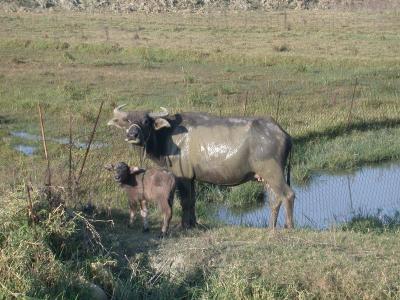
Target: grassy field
[332, 79]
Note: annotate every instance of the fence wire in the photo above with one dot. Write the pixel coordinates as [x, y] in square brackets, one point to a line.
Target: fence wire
[325, 200]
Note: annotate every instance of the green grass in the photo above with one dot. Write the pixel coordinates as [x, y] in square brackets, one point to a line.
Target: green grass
[237, 197]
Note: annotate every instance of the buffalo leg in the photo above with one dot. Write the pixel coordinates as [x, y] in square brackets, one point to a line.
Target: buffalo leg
[282, 192]
[274, 205]
[289, 205]
[187, 195]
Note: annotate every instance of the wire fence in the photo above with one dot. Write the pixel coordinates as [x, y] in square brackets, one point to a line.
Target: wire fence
[325, 200]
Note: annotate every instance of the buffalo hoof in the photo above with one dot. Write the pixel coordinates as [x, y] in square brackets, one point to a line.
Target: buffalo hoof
[145, 229]
[162, 235]
[187, 226]
[288, 227]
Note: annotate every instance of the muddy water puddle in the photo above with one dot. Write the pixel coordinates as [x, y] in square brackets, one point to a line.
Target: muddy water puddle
[329, 200]
[32, 149]
[25, 149]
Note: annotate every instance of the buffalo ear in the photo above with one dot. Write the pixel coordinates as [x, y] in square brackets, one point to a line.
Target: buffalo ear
[160, 123]
[136, 170]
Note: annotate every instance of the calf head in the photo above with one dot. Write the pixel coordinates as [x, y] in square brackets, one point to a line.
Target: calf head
[139, 125]
[122, 173]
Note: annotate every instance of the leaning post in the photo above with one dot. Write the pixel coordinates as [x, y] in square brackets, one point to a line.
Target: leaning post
[48, 182]
[90, 143]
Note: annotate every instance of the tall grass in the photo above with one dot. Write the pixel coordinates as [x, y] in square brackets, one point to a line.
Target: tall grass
[33, 255]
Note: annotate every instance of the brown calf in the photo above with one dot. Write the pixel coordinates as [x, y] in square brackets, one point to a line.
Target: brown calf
[143, 186]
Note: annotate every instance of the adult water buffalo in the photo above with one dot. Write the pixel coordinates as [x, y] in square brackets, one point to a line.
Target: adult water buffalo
[223, 151]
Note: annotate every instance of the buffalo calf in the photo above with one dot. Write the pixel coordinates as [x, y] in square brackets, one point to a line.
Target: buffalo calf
[142, 186]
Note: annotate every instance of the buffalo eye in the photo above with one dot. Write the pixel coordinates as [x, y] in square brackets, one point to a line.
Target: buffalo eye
[146, 122]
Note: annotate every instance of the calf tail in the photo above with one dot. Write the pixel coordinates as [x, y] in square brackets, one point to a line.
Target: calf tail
[289, 167]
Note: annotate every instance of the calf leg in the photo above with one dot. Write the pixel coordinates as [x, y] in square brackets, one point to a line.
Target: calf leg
[132, 212]
[167, 216]
[143, 213]
[187, 194]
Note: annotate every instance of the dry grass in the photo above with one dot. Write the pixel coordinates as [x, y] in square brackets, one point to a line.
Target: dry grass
[237, 263]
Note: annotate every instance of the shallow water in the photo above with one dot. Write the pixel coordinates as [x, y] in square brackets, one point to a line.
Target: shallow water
[327, 200]
[330, 199]
[62, 141]
[25, 149]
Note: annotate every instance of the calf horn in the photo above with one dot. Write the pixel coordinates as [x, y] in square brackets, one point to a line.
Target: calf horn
[109, 167]
[162, 114]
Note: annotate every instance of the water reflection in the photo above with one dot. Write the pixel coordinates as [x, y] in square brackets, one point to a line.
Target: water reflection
[331, 199]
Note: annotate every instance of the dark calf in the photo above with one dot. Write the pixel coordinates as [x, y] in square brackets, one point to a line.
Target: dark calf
[143, 186]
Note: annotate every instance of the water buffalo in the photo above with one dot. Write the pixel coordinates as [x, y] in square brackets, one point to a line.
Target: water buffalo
[223, 151]
[143, 186]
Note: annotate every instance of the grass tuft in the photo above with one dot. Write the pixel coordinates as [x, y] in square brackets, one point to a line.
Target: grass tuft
[245, 195]
[281, 48]
[376, 223]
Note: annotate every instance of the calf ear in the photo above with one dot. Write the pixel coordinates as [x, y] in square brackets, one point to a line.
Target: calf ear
[160, 123]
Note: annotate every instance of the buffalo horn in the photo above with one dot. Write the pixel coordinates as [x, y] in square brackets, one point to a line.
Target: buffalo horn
[162, 114]
[118, 108]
